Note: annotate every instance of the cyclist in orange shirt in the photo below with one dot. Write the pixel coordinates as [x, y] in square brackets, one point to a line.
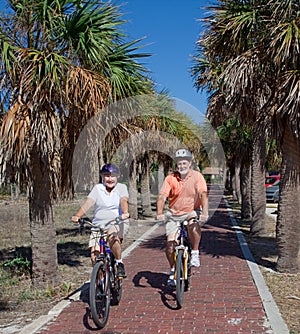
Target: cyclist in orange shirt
[186, 191]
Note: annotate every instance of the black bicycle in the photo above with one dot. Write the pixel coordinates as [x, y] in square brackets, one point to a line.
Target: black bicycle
[182, 256]
[105, 285]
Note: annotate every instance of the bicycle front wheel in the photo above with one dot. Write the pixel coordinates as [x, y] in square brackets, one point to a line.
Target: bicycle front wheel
[179, 278]
[100, 294]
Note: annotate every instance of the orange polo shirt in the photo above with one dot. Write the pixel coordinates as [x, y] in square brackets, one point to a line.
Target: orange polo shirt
[183, 194]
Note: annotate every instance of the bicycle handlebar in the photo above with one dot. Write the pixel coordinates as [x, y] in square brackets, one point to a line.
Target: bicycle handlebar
[87, 221]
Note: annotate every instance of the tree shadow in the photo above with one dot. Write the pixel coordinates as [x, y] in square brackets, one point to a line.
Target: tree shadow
[72, 231]
[219, 238]
[69, 252]
[21, 252]
[158, 282]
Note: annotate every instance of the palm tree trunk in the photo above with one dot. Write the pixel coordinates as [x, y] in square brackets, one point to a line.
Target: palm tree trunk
[42, 227]
[246, 192]
[145, 188]
[236, 180]
[288, 224]
[66, 189]
[160, 175]
[258, 194]
[132, 190]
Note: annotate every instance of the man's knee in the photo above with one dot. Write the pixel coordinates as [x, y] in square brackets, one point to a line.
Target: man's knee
[170, 246]
[194, 226]
[113, 238]
[94, 254]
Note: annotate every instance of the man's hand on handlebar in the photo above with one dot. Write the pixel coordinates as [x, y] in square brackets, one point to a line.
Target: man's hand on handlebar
[160, 217]
[125, 216]
[203, 218]
[75, 219]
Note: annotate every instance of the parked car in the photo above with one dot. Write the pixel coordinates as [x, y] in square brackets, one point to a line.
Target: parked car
[272, 192]
[271, 179]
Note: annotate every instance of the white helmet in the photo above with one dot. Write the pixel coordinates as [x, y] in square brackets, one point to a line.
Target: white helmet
[183, 154]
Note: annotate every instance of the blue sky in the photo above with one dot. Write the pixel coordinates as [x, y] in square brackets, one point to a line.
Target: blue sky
[171, 29]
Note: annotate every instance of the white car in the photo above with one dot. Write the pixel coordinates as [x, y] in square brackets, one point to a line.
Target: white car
[272, 192]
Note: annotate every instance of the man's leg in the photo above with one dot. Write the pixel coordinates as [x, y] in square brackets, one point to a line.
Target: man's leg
[194, 232]
[94, 254]
[115, 246]
[94, 246]
[171, 233]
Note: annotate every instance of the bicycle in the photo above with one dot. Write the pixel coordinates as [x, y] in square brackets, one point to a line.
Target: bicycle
[105, 285]
[182, 256]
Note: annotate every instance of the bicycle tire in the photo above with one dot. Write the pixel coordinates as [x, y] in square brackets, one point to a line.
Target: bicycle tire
[187, 282]
[100, 294]
[117, 291]
[179, 278]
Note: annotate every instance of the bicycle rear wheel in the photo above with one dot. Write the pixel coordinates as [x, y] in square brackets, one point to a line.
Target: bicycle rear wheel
[179, 278]
[116, 283]
[100, 294]
[117, 292]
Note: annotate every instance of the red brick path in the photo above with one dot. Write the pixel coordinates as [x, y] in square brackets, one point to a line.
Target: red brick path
[222, 298]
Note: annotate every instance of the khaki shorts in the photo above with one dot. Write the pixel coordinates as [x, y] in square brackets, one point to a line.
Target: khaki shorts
[173, 222]
[120, 229]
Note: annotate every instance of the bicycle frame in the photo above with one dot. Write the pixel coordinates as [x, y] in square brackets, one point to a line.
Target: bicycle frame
[183, 239]
[182, 263]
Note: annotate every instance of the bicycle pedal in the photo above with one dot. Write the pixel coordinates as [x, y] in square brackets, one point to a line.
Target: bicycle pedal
[121, 277]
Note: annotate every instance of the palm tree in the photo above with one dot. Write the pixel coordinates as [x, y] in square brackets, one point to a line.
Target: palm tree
[236, 140]
[251, 58]
[284, 29]
[55, 74]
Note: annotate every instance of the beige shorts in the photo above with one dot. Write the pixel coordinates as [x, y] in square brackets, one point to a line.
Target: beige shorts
[173, 222]
[120, 229]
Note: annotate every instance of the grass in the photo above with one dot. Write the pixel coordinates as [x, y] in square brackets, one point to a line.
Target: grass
[17, 296]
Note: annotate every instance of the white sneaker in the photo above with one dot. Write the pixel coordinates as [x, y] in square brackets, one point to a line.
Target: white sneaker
[195, 261]
[171, 281]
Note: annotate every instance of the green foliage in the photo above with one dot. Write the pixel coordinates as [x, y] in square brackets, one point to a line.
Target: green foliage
[18, 266]
[234, 136]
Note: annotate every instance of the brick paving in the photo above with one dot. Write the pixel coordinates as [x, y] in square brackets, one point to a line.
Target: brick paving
[222, 299]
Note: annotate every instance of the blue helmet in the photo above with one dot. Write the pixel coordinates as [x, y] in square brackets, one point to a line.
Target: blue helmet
[110, 169]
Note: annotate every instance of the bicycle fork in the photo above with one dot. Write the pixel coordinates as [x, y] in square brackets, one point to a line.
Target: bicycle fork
[185, 259]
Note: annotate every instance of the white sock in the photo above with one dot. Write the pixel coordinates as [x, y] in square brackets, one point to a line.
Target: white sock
[119, 261]
[195, 252]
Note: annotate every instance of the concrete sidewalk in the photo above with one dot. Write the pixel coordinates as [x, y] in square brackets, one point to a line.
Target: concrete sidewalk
[227, 295]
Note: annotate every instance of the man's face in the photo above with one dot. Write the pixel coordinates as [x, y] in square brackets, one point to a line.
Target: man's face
[110, 180]
[183, 166]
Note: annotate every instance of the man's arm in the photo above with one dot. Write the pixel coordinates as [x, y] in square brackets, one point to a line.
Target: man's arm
[83, 209]
[204, 205]
[160, 204]
[124, 207]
